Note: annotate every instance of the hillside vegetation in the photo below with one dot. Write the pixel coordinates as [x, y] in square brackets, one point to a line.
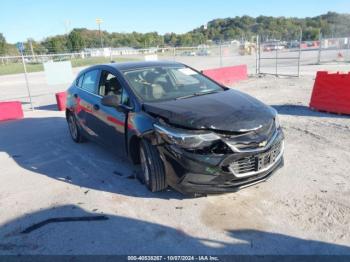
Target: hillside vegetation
[330, 25]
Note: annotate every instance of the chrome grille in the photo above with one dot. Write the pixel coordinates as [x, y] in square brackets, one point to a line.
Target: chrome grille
[244, 165]
[256, 163]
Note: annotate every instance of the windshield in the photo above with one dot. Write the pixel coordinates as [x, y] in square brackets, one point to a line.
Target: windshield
[153, 84]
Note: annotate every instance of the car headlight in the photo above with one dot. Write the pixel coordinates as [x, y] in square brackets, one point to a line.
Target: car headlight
[184, 138]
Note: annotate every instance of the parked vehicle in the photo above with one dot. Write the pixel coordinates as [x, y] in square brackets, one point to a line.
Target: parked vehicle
[293, 44]
[188, 53]
[186, 130]
[203, 52]
[273, 46]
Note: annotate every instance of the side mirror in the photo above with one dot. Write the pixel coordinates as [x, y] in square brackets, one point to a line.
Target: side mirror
[111, 101]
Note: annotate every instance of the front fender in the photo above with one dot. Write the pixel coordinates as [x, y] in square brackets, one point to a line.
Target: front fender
[139, 126]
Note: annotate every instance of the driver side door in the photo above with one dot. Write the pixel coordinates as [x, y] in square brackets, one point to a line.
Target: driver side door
[109, 122]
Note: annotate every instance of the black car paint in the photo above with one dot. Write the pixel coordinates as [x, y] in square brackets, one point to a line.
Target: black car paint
[100, 123]
[229, 111]
[199, 173]
[188, 172]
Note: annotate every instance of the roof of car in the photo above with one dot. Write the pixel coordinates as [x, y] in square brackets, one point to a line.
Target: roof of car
[142, 64]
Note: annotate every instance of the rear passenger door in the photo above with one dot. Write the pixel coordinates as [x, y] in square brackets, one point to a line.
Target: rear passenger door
[86, 97]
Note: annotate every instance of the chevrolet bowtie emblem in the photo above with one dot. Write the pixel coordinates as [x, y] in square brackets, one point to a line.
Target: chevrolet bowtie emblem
[262, 144]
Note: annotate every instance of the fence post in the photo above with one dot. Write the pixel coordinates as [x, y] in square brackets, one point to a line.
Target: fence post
[220, 53]
[319, 49]
[174, 53]
[276, 61]
[299, 57]
[27, 82]
[259, 54]
[257, 58]
[349, 47]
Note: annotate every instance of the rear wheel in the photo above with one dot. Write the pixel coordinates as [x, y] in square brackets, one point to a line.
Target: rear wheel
[153, 174]
[74, 129]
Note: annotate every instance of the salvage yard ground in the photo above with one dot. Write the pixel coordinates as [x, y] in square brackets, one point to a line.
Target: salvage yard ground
[303, 209]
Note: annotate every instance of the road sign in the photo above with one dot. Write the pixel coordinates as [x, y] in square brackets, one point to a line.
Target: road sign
[99, 21]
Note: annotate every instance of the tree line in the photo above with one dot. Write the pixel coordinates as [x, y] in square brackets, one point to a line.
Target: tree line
[278, 28]
[218, 30]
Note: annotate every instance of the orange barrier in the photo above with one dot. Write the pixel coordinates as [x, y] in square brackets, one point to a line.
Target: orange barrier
[61, 100]
[10, 110]
[228, 75]
[331, 93]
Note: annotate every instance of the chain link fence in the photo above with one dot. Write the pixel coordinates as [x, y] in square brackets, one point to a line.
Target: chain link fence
[332, 50]
[286, 58]
[274, 57]
[23, 78]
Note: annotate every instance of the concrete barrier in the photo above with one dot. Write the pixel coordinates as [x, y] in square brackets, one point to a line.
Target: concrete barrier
[228, 75]
[11, 110]
[61, 101]
[331, 93]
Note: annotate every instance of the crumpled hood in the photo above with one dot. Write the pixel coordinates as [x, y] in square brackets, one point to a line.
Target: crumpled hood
[230, 110]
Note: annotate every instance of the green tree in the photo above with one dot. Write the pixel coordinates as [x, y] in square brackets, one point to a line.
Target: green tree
[170, 39]
[38, 48]
[75, 41]
[2, 44]
[245, 27]
[55, 44]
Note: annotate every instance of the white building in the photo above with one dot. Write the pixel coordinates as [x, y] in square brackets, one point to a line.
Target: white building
[108, 51]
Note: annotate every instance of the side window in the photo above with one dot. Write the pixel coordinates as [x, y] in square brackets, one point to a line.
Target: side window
[90, 81]
[109, 85]
[125, 98]
[79, 81]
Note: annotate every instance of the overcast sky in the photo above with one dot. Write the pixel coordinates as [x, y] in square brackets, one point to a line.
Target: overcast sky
[21, 19]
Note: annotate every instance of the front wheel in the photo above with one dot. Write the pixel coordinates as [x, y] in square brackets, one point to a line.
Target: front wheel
[153, 174]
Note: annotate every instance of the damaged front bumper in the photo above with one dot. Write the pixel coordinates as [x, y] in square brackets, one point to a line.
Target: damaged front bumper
[191, 172]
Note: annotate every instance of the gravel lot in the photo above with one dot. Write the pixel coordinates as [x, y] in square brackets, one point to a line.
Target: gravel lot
[303, 209]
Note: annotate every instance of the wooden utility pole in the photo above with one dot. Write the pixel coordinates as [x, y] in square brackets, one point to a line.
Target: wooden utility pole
[31, 48]
[99, 21]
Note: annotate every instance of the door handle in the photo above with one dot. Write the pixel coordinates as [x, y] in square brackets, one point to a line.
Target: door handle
[96, 107]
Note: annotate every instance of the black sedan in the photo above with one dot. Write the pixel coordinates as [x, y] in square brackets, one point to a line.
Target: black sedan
[186, 130]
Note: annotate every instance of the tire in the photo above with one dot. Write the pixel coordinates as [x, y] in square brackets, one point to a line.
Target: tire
[153, 174]
[74, 129]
